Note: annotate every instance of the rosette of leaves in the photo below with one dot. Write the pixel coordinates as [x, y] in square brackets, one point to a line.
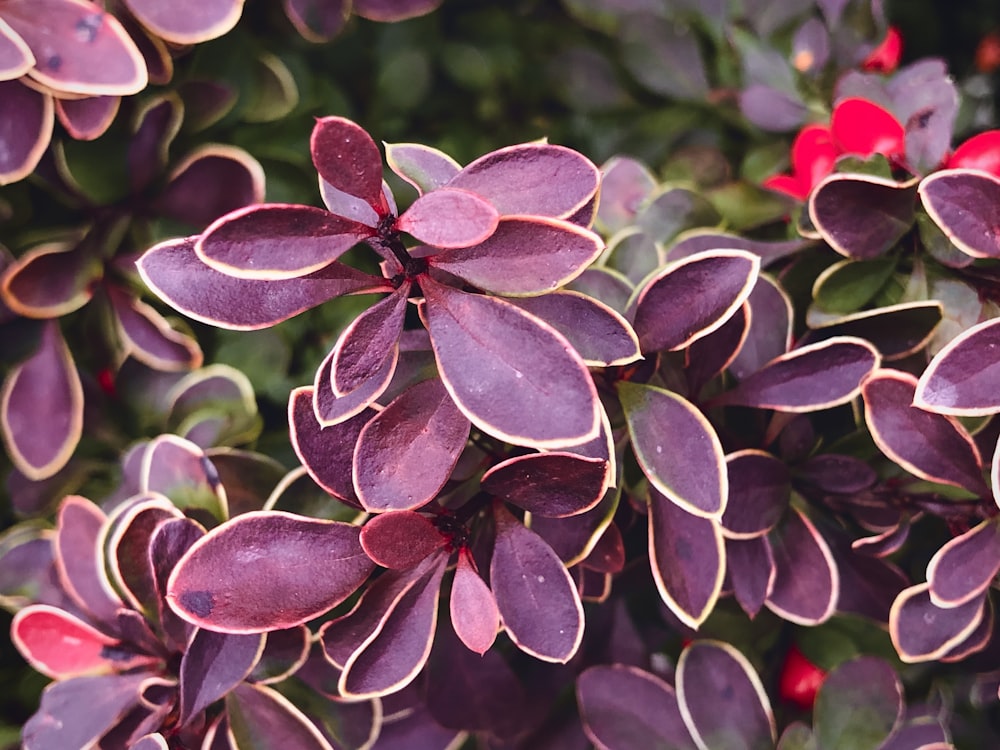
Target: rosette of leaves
[93, 615]
[74, 60]
[87, 273]
[322, 20]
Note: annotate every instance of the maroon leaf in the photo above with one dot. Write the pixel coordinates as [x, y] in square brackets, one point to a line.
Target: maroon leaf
[721, 698]
[693, 297]
[318, 20]
[157, 123]
[887, 208]
[930, 446]
[549, 484]
[626, 708]
[676, 447]
[209, 182]
[750, 566]
[51, 280]
[275, 241]
[168, 544]
[687, 557]
[41, 407]
[400, 540]
[963, 203]
[187, 21]
[833, 472]
[962, 377]
[285, 652]
[87, 119]
[537, 599]
[149, 338]
[922, 631]
[173, 271]
[406, 453]
[449, 218]
[965, 567]
[423, 167]
[128, 543]
[260, 717]
[179, 469]
[94, 55]
[394, 10]
[859, 705]
[399, 647]
[599, 334]
[346, 157]
[536, 179]
[16, 58]
[770, 330]
[256, 572]
[625, 184]
[364, 346]
[897, 331]
[26, 121]
[810, 378]
[79, 711]
[712, 354]
[213, 664]
[525, 255]
[573, 537]
[472, 606]
[79, 547]
[513, 376]
[61, 646]
[759, 489]
[326, 452]
[806, 581]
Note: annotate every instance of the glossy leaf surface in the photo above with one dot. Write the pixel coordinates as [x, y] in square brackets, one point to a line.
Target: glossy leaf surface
[962, 378]
[965, 566]
[401, 539]
[964, 204]
[888, 208]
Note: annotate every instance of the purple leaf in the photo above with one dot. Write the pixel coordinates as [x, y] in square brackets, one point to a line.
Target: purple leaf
[721, 698]
[750, 566]
[179, 469]
[423, 167]
[449, 218]
[16, 58]
[770, 331]
[330, 409]
[868, 585]
[472, 606]
[80, 558]
[537, 599]
[78, 48]
[687, 557]
[897, 331]
[700, 240]
[318, 20]
[806, 581]
[549, 484]
[573, 537]
[406, 453]
[347, 158]
[26, 121]
[209, 182]
[326, 452]
[41, 407]
[79, 711]
[532, 179]
[87, 119]
[526, 255]
[921, 631]
[931, 446]
[664, 56]
[513, 376]
[858, 706]
[128, 546]
[389, 659]
[605, 285]
[676, 447]
[963, 203]
[256, 572]
[885, 209]
[277, 241]
[150, 742]
[389, 11]
[599, 334]
[833, 472]
[712, 354]
[625, 184]
[285, 652]
[168, 544]
[626, 708]
[264, 719]
[759, 489]
[148, 337]
[62, 646]
[809, 378]
[173, 271]
[400, 540]
[187, 21]
[693, 297]
[51, 280]
[962, 377]
[965, 567]
[213, 664]
[772, 109]
[157, 123]
[360, 353]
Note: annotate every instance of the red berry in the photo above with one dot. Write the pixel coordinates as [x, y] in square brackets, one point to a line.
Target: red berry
[799, 680]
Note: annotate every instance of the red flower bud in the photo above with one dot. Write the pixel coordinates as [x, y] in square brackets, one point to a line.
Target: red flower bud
[885, 57]
[800, 680]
